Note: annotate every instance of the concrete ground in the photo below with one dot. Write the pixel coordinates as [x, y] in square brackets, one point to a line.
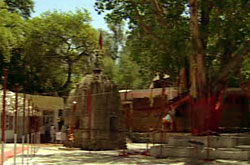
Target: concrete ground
[9, 151]
[9, 146]
[55, 154]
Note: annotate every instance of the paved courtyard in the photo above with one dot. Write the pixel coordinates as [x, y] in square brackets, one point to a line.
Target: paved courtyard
[54, 154]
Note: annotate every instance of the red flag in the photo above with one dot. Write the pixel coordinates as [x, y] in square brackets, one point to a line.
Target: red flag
[100, 41]
[218, 104]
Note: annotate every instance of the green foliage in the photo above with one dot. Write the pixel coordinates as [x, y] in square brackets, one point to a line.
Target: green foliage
[108, 66]
[22, 7]
[11, 29]
[229, 29]
[160, 40]
[149, 44]
[125, 73]
[61, 43]
[55, 52]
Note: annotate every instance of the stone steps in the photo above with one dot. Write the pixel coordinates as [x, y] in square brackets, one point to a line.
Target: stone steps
[199, 152]
[205, 147]
[243, 140]
[210, 141]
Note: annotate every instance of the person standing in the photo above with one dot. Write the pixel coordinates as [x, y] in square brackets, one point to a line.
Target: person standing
[42, 133]
[52, 133]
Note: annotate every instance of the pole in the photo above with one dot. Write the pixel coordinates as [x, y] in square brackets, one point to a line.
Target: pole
[35, 132]
[23, 132]
[4, 113]
[28, 132]
[32, 131]
[71, 131]
[38, 130]
[15, 129]
[33, 128]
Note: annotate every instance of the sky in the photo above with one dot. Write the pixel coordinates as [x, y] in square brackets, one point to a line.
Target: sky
[67, 5]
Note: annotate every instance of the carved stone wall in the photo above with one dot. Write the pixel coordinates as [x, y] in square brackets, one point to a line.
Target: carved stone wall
[97, 118]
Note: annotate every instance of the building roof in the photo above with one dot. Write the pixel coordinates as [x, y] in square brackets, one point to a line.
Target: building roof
[47, 102]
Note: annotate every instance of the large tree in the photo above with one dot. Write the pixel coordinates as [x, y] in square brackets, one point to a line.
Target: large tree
[57, 50]
[212, 36]
[11, 35]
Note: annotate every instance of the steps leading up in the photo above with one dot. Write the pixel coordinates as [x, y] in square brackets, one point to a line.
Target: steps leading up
[204, 147]
[209, 141]
[199, 152]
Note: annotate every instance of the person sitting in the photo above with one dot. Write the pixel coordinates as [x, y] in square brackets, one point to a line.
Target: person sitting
[167, 122]
[172, 114]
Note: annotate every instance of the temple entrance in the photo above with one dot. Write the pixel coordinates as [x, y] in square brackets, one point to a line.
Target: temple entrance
[47, 123]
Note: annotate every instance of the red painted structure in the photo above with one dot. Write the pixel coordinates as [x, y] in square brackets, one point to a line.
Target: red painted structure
[227, 113]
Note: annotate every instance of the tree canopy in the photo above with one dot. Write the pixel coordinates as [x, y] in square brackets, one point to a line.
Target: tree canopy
[47, 54]
[22, 7]
[11, 30]
[57, 46]
[208, 38]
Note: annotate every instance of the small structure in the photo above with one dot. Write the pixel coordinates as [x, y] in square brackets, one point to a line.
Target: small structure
[50, 109]
[93, 114]
[10, 115]
[39, 111]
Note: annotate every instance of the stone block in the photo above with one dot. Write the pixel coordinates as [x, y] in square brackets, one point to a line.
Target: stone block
[197, 152]
[243, 140]
[232, 154]
[178, 141]
[221, 142]
[158, 138]
[171, 151]
[206, 141]
[244, 148]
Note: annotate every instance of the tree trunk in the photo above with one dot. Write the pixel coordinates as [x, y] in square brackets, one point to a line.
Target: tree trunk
[197, 60]
[183, 80]
[67, 83]
[193, 82]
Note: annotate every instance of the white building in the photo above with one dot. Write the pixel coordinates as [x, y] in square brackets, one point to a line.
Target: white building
[45, 112]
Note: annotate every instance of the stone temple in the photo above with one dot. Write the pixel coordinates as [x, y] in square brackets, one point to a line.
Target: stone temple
[93, 114]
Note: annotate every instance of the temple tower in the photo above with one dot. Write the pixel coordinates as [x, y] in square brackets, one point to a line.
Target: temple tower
[94, 115]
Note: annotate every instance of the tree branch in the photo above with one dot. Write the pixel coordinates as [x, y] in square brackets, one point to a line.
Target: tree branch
[158, 12]
[196, 37]
[206, 8]
[233, 65]
[146, 28]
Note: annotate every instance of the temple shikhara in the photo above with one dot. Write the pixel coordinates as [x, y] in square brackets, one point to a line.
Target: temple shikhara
[94, 115]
